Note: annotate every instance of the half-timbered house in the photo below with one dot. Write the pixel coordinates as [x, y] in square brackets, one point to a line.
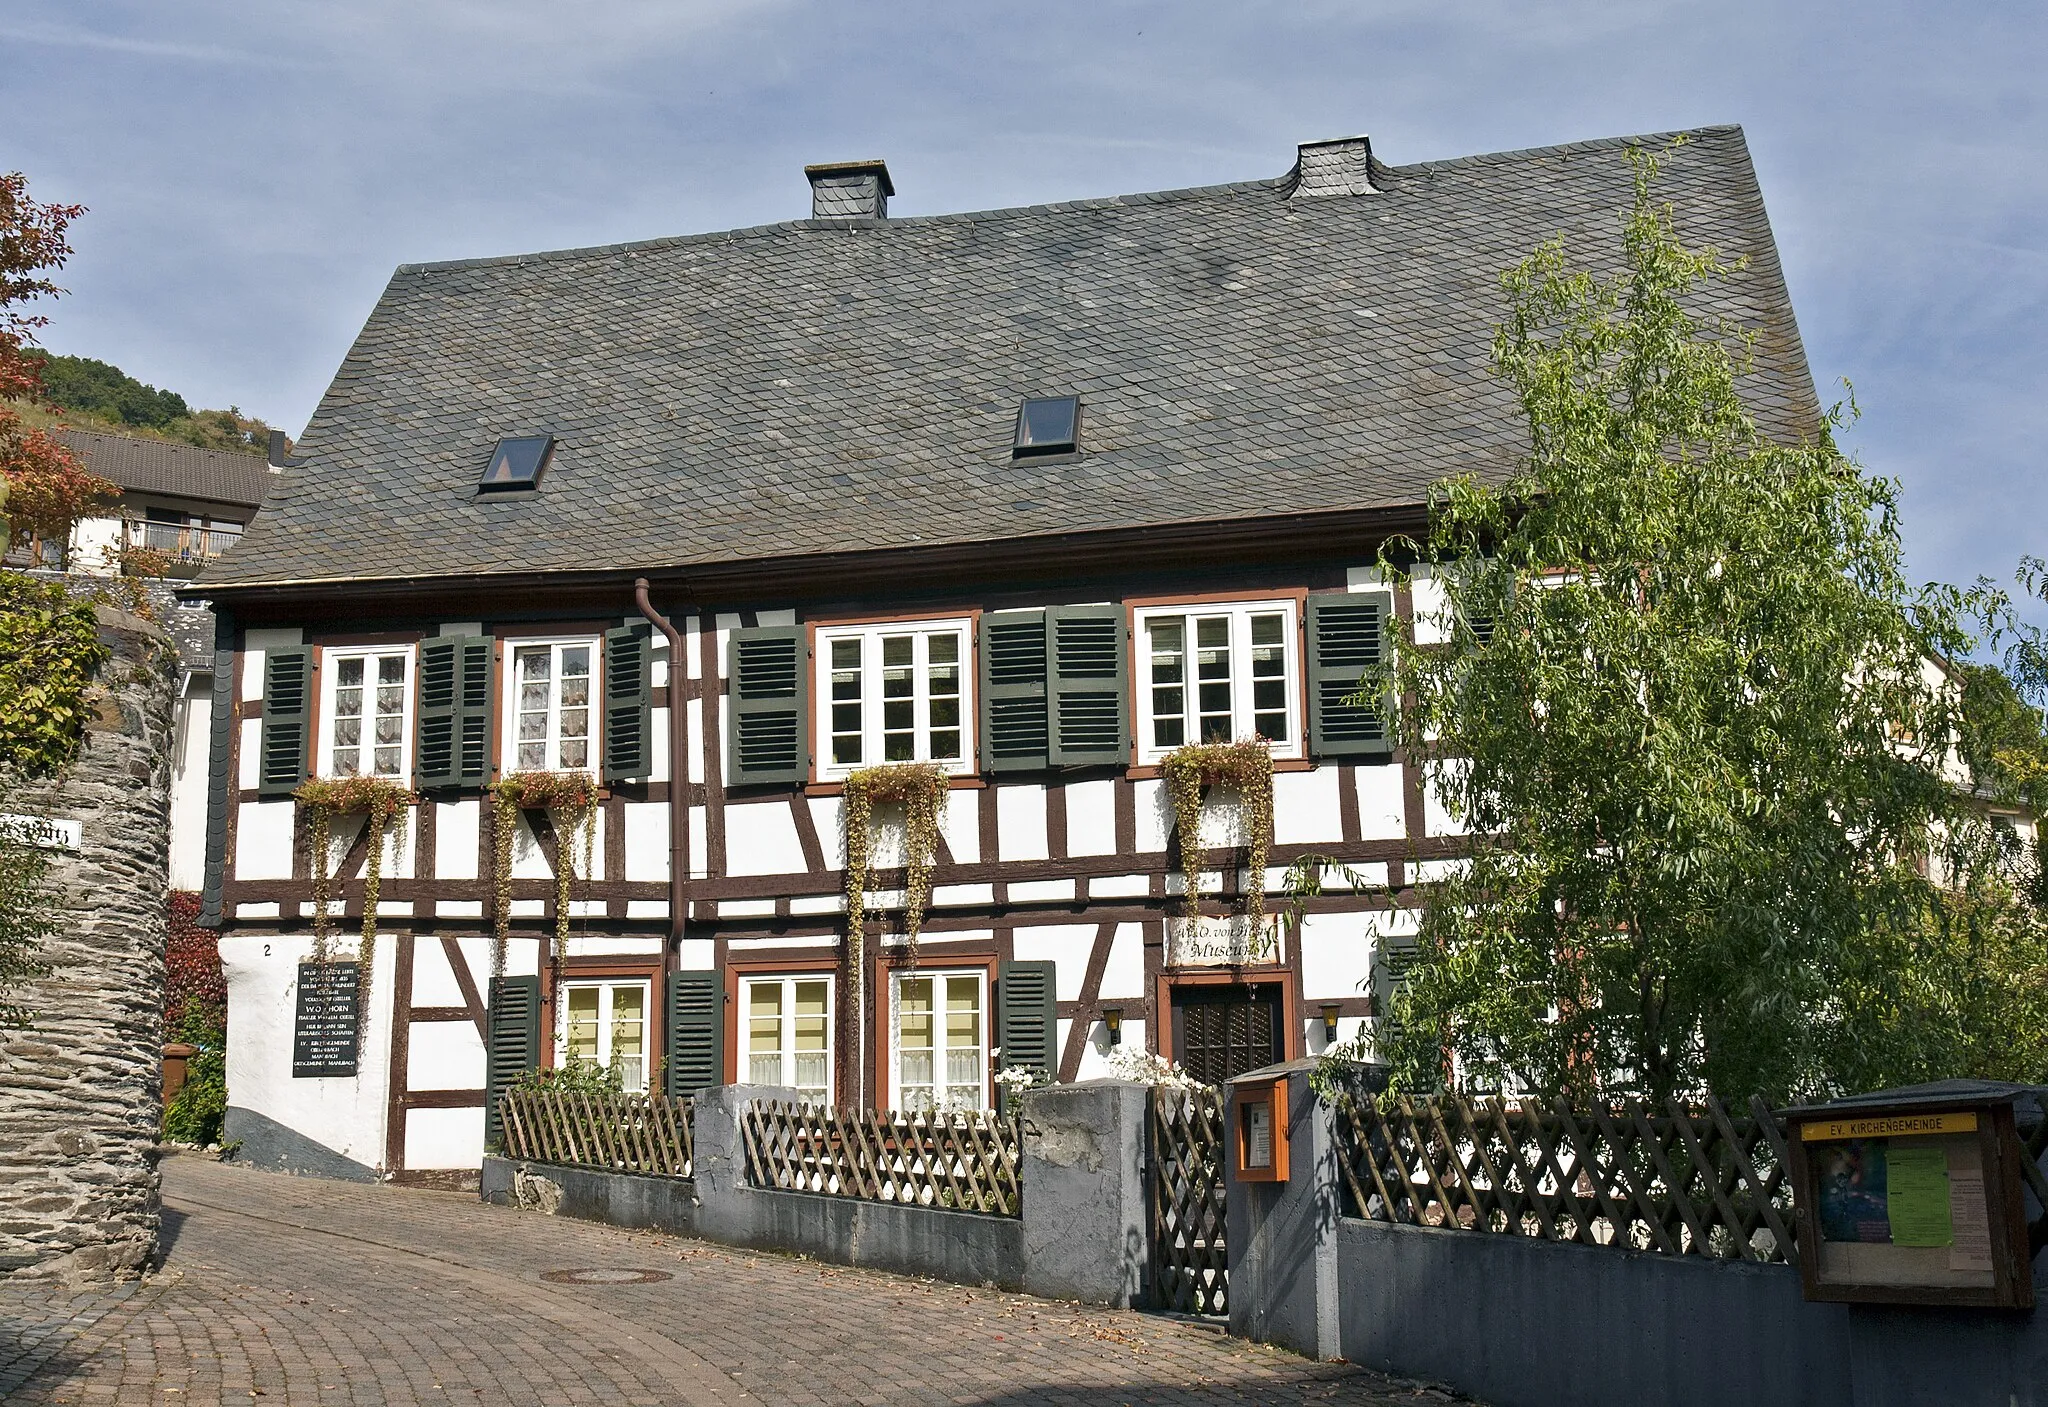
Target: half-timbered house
[1034, 497]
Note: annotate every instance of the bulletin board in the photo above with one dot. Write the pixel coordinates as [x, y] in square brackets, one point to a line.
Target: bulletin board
[1911, 1206]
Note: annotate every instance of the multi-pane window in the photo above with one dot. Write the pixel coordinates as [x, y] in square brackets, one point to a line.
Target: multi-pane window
[605, 1023]
[940, 1056]
[894, 693]
[789, 1034]
[553, 708]
[1215, 674]
[364, 729]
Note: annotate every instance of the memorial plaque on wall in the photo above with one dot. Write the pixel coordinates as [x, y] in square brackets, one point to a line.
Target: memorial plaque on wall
[324, 1038]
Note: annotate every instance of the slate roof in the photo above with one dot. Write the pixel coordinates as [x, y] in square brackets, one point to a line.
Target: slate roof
[815, 387]
[180, 471]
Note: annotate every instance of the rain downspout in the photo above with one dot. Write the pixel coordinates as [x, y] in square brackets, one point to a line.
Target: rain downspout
[678, 813]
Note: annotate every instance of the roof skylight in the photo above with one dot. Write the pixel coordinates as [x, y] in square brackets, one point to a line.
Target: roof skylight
[1048, 425]
[517, 463]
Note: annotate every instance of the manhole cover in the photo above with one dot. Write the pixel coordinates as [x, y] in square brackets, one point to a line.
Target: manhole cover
[603, 1277]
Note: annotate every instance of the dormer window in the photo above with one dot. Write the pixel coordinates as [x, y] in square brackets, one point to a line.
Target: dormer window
[1048, 425]
[517, 463]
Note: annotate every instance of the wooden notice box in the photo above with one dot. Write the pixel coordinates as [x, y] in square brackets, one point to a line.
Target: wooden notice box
[1259, 1142]
[1912, 1201]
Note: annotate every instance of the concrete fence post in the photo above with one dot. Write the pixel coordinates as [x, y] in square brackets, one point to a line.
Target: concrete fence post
[1283, 1235]
[1083, 1175]
[718, 1160]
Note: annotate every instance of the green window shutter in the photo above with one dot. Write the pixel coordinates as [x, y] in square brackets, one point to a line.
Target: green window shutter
[434, 759]
[1014, 673]
[514, 1046]
[1090, 687]
[1391, 960]
[628, 703]
[474, 655]
[455, 711]
[767, 706]
[287, 719]
[1027, 1017]
[692, 1034]
[1347, 635]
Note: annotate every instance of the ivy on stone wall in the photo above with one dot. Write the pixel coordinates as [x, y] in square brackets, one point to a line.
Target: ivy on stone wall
[50, 650]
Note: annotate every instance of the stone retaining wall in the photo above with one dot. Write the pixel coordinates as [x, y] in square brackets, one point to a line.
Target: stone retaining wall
[80, 1099]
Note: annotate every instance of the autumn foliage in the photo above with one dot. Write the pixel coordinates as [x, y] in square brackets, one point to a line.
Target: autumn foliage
[193, 982]
[48, 490]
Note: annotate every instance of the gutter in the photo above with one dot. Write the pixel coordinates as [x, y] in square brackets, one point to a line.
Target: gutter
[678, 812]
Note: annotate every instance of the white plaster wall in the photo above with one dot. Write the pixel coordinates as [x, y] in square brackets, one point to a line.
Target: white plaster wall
[1020, 821]
[828, 821]
[647, 841]
[263, 840]
[1437, 819]
[1155, 815]
[346, 1115]
[700, 844]
[657, 725]
[1306, 808]
[961, 824]
[1067, 945]
[693, 741]
[443, 1055]
[457, 829]
[760, 839]
[1095, 1053]
[444, 1138]
[1336, 955]
[1091, 818]
[95, 547]
[529, 861]
[251, 744]
[1124, 976]
[1382, 810]
[192, 723]
[433, 981]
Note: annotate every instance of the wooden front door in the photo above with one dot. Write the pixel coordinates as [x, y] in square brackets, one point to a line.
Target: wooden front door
[1220, 1032]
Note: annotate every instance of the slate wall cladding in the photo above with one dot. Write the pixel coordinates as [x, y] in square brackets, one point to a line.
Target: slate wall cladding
[80, 1094]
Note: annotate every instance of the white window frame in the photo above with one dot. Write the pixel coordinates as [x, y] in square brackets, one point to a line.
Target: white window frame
[331, 659]
[1241, 711]
[606, 987]
[509, 704]
[871, 698]
[938, 976]
[787, 981]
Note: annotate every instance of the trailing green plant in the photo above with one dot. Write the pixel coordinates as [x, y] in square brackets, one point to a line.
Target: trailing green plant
[50, 650]
[380, 800]
[25, 925]
[1245, 767]
[574, 1075]
[920, 788]
[572, 796]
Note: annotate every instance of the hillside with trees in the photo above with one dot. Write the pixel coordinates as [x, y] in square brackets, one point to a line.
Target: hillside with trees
[84, 393]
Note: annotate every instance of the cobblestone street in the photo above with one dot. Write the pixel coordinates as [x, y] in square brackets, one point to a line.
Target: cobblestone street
[296, 1291]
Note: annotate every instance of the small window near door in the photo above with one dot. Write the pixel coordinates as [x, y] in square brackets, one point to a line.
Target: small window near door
[788, 1035]
[605, 1023]
[941, 1056]
[1223, 1031]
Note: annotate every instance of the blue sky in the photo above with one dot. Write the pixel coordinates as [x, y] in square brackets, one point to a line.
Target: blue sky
[255, 170]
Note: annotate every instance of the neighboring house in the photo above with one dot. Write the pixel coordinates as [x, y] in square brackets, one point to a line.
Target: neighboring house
[183, 506]
[1037, 495]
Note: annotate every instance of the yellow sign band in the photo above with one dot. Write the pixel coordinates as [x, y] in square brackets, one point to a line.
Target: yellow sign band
[1887, 1126]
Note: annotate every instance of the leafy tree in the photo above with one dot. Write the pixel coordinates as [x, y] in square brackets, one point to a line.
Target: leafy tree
[1680, 690]
[47, 489]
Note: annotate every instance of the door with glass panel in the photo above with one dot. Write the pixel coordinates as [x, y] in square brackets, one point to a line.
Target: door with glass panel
[789, 1034]
[605, 1023]
[939, 1023]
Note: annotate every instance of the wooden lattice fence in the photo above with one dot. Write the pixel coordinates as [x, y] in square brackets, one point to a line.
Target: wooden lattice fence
[957, 1161]
[1679, 1180]
[1190, 1257]
[638, 1133]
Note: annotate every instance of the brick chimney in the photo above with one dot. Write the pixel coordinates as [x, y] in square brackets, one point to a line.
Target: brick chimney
[850, 190]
